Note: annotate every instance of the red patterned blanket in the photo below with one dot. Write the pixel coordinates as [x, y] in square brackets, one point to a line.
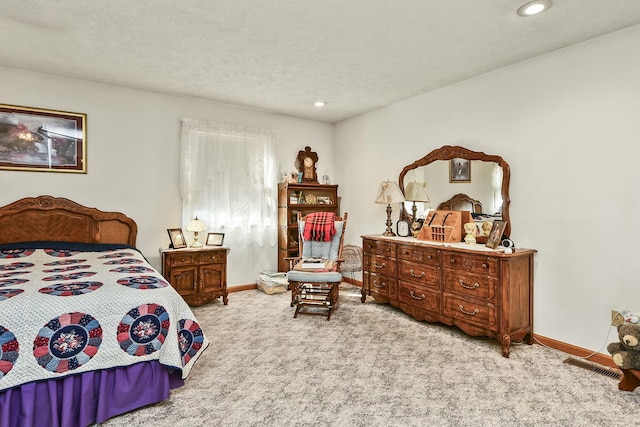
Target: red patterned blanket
[319, 226]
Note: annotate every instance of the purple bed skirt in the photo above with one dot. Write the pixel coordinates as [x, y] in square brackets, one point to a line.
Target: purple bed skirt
[79, 400]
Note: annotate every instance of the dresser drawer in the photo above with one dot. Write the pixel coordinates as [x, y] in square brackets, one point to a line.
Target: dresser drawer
[379, 265]
[419, 296]
[379, 248]
[472, 285]
[476, 264]
[380, 285]
[428, 256]
[419, 273]
[472, 312]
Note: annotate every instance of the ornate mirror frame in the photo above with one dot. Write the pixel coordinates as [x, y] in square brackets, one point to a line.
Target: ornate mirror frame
[449, 152]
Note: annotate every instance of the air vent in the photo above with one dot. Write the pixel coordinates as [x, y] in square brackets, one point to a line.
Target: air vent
[598, 369]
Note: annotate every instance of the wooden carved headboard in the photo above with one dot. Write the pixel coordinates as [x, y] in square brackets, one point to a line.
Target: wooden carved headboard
[461, 202]
[47, 218]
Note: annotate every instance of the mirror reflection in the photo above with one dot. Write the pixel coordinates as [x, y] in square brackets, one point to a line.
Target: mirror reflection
[473, 181]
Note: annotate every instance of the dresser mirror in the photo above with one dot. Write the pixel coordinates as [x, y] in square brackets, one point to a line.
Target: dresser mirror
[487, 186]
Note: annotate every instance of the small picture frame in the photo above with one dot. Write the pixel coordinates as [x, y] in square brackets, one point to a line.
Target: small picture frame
[177, 238]
[214, 239]
[459, 170]
[495, 235]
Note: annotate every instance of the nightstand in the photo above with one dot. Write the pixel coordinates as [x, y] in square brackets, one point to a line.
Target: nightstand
[198, 274]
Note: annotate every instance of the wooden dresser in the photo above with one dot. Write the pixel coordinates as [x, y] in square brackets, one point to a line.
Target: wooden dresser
[199, 275]
[483, 292]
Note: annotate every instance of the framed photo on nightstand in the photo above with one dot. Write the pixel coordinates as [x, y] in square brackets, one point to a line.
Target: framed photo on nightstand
[215, 239]
[177, 238]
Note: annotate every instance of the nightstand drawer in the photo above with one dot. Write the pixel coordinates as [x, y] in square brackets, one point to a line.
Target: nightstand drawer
[209, 257]
[181, 259]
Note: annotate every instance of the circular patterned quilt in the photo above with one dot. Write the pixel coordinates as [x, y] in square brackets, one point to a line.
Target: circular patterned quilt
[67, 342]
[70, 289]
[190, 339]
[143, 329]
[143, 282]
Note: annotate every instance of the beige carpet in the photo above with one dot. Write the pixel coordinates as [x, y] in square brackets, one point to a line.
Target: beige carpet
[372, 365]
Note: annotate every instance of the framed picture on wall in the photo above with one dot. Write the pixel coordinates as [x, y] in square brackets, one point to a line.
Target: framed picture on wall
[177, 238]
[495, 235]
[35, 139]
[459, 170]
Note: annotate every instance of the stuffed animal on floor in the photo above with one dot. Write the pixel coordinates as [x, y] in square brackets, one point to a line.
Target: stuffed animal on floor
[626, 353]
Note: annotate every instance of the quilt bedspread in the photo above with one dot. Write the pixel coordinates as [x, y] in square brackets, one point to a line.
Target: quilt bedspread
[65, 311]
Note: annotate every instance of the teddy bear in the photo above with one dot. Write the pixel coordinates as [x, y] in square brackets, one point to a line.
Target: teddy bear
[626, 353]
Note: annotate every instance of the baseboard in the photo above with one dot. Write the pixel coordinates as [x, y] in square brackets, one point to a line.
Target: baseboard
[354, 282]
[599, 358]
[239, 288]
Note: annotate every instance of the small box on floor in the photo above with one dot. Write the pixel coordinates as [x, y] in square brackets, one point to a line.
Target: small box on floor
[272, 282]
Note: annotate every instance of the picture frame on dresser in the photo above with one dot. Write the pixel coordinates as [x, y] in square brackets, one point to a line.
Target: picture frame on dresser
[214, 239]
[177, 238]
[495, 235]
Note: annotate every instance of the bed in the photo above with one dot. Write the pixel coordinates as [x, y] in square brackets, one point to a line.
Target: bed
[88, 328]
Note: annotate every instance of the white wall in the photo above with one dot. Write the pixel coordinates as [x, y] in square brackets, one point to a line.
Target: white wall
[133, 152]
[568, 123]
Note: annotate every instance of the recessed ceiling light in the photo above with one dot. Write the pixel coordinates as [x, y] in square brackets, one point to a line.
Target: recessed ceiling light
[320, 103]
[534, 7]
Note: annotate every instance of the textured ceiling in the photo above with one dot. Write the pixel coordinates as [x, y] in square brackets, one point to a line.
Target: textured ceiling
[282, 55]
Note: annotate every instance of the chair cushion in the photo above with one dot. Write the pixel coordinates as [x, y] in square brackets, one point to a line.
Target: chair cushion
[314, 277]
[314, 249]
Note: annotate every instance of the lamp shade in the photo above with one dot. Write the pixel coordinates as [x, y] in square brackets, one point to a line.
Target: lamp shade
[389, 192]
[196, 225]
[416, 192]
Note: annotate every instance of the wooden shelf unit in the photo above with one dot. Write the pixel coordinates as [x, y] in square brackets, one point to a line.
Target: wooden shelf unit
[305, 198]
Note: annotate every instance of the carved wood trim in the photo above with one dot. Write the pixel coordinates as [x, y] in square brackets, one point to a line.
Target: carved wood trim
[449, 152]
[48, 218]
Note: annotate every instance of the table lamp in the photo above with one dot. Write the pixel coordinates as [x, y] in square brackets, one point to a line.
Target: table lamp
[196, 226]
[416, 192]
[388, 193]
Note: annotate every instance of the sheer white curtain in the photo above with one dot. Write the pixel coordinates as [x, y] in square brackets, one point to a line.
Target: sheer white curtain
[229, 181]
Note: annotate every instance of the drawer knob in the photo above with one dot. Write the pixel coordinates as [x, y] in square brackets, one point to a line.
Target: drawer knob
[429, 256]
[415, 297]
[485, 265]
[378, 284]
[376, 265]
[452, 260]
[474, 286]
[469, 313]
[183, 259]
[416, 275]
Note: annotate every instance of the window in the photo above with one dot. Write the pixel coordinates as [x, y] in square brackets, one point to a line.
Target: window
[229, 181]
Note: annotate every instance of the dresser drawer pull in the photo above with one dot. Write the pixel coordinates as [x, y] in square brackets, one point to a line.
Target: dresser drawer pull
[376, 265]
[475, 284]
[485, 265]
[415, 275]
[423, 296]
[429, 256]
[475, 311]
[183, 259]
[452, 261]
[378, 284]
